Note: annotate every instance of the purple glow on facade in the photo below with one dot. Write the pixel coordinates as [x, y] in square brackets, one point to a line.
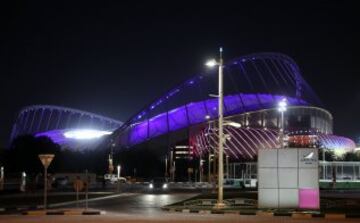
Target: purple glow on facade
[81, 141]
[57, 135]
[309, 198]
[195, 112]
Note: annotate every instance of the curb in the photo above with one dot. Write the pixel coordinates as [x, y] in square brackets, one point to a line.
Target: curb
[295, 215]
[55, 212]
[12, 209]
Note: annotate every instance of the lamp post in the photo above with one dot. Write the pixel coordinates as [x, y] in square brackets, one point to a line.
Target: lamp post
[282, 106]
[2, 178]
[118, 171]
[166, 161]
[227, 167]
[212, 63]
[118, 177]
[323, 162]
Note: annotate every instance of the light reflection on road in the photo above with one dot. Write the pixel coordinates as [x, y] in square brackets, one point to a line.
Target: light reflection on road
[149, 204]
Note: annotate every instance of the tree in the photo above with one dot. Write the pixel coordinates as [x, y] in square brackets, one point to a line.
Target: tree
[351, 156]
[24, 151]
[329, 155]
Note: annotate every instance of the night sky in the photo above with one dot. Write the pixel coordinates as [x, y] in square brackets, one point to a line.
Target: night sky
[112, 58]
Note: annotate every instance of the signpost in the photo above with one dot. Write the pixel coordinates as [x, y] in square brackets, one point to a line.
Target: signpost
[87, 189]
[46, 160]
[78, 186]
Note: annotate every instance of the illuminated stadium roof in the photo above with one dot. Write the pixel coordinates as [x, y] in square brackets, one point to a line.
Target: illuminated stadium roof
[68, 127]
[251, 83]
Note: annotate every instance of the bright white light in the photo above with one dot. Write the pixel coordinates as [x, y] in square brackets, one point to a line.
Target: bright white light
[233, 124]
[151, 186]
[207, 117]
[85, 134]
[282, 105]
[165, 186]
[118, 171]
[211, 63]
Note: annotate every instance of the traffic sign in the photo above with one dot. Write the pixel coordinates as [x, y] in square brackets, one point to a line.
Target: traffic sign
[46, 159]
[78, 185]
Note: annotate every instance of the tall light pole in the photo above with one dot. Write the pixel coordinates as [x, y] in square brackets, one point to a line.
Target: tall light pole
[227, 167]
[324, 162]
[212, 63]
[2, 178]
[282, 106]
[118, 171]
[166, 161]
[118, 177]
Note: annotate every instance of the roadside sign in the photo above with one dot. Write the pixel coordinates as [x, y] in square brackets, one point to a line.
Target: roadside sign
[78, 185]
[46, 159]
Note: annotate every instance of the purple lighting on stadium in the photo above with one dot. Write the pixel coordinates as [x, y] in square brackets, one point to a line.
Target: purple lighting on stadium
[57, 136]
[63, 136]
[255, 84]
[194, 113]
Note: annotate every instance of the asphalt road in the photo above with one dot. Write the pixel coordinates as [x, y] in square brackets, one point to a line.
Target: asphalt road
[139, 207]
[137, 203]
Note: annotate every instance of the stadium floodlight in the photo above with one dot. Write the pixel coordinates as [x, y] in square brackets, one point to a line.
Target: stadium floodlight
[85, 134]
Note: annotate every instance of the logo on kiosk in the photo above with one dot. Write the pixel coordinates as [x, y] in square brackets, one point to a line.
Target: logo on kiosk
[309, 158]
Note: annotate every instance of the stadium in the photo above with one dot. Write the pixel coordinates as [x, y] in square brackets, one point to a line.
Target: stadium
[182, 123]
[68, 127]
[186, 115]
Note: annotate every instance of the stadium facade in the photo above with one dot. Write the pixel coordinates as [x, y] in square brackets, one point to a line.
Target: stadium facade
[253, 86]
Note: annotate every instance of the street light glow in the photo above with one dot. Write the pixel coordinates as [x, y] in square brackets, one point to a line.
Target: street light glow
[85, 134]
[282, 105]
[211, 63]
[118, 171]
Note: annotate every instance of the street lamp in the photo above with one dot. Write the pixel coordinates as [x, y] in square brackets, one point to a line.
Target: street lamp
[118, 177]
[2, 178]
[118, 171]
[212, 63]
[282, 106]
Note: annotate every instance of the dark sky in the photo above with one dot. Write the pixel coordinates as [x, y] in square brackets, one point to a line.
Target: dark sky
[112, 57]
